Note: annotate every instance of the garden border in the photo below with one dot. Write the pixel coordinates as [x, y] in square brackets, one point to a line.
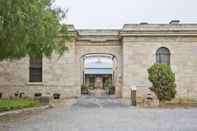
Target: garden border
[24, 110]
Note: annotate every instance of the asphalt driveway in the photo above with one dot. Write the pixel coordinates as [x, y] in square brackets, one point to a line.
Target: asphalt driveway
[106, 114]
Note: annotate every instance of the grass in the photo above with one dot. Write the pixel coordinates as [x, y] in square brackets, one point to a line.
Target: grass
[13, 104]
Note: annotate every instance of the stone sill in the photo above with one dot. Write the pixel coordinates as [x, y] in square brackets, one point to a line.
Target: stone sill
[35, 84]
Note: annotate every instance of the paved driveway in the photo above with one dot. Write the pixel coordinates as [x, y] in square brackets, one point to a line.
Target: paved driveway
[106, 114]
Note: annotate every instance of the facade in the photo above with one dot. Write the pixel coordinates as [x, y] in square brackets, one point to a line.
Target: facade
[133, 49]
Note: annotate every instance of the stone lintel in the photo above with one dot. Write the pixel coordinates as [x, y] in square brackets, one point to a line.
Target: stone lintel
[98, 35]
[99, 38]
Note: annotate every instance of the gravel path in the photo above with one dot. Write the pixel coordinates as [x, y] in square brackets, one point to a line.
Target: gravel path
[106, 114]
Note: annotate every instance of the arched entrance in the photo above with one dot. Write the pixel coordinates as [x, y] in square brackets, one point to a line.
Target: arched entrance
[87, 48]
[98, 71]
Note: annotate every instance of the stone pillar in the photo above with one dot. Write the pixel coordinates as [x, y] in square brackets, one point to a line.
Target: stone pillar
[118, 90]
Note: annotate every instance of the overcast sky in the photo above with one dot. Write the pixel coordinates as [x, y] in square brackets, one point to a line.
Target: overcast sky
[114, 13]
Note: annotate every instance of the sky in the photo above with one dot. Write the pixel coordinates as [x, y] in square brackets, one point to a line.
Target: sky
[113, 14]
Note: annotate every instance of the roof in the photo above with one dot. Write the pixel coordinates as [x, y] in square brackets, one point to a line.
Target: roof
[99, 66]
[92, 71]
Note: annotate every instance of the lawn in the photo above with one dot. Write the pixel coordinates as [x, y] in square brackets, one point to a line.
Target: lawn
[13, 104]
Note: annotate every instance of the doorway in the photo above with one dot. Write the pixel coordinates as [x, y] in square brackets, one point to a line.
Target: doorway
[98, 74]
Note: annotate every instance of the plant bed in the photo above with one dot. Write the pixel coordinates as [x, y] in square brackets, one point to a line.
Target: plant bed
[13, 104]
[181, 102]
[177, 105]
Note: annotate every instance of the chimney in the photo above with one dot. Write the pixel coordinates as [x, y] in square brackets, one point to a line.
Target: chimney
[174, 22]
[143, 23]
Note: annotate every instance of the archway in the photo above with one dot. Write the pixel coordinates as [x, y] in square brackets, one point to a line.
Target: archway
[98, 71]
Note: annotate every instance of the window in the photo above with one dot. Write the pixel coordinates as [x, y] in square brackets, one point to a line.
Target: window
[35, 73]
[163, 56]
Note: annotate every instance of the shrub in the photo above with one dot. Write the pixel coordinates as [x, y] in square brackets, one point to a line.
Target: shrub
[109, 87]
[84, 89]
[163, 81]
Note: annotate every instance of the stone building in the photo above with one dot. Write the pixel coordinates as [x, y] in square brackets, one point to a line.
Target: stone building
[132, 49]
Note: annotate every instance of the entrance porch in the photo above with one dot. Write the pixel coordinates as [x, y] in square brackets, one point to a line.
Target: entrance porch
[98, 81]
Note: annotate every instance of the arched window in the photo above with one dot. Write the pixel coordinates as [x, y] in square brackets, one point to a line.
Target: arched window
[163, 56]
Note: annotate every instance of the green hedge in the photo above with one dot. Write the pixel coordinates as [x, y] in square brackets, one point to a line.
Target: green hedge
[12, 104]
[163, 81]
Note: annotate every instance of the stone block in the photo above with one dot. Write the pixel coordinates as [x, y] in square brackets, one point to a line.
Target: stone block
[151, 100]
[45, 100]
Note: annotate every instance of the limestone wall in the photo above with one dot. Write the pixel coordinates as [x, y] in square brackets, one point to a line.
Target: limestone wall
[59, 76]
[13, 76]
[139, 55]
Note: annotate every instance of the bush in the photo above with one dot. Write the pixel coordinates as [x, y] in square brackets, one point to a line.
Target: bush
[109, 87]
[163, 81]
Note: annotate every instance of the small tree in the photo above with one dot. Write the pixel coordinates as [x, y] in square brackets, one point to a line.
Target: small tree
[163, 81]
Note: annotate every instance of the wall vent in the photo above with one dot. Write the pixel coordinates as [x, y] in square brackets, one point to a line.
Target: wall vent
[56, 96]
[37, 94]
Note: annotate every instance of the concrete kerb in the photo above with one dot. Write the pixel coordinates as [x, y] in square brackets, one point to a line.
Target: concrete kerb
[34, 109]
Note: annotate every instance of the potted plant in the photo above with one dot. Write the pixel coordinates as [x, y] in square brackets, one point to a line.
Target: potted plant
[84, 90]
[108, 87]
